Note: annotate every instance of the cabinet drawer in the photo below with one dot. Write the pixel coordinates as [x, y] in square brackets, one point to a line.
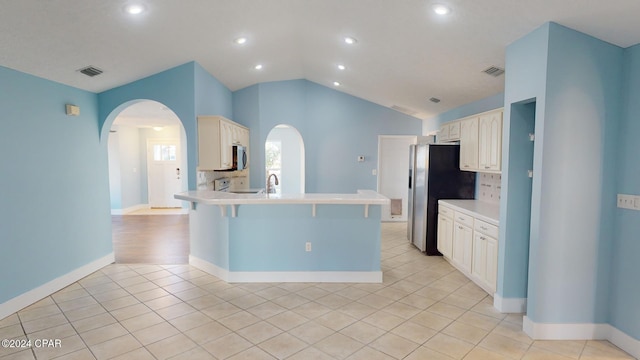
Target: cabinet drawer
[463, 219]
[486, 228]
[445, 211]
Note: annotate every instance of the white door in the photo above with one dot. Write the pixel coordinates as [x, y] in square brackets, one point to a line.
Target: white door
[164, 172]
[393, 175]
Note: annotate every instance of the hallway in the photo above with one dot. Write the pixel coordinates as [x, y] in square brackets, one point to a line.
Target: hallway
[151, 239]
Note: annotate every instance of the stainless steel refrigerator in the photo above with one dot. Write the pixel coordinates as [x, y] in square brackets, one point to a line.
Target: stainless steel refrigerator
[434, 174]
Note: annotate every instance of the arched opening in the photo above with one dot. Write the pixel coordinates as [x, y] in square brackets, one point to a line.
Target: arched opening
[147, 158]
[284, 157]
[147, 150]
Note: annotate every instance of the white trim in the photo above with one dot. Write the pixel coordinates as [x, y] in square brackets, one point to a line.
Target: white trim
[543, 331]
[32, 296]
[209, 268]
[509, 305]
[625, 342]
[286, 276]
[130, 209]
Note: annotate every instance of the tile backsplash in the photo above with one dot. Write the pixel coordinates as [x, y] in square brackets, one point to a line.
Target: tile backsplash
[490, 186]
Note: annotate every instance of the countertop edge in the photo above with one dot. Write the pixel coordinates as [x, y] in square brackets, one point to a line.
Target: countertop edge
[209, 197]
[481, 210]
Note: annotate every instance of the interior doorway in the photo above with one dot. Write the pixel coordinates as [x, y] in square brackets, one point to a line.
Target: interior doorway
[147, 166]
[147, 159]
[285, 158]
[393, 174]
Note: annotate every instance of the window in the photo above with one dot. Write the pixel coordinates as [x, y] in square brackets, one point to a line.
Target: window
[164, 152]
[273, 164]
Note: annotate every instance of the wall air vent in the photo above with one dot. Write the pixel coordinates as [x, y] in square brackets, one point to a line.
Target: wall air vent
[494, 71]
[404, 110]
[434, 100]
[91, 71]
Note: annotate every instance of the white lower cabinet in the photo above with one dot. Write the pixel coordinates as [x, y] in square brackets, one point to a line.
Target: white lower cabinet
[471, 245]
[462, 246]
[445, 235]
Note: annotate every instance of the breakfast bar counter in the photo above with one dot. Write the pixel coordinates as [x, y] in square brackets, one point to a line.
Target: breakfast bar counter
[286, 238]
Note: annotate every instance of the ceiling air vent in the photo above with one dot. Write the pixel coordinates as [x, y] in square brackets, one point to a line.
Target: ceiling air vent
[404, 110]
[494, 71]
[91, 71]
[434, 100]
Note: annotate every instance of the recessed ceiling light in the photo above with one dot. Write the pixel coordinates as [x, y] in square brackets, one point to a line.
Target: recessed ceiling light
[350, 40]
[240, 40]
[134, 9]
[335, 83]
[441, 9]
[341, 67]
[258, 67]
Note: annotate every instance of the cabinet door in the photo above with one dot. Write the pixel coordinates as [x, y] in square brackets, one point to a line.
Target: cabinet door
[208, 143]
[490, 141]
[479, 268]
[443, 133]
[226, 141]
[454, 131]
[445, 235]
[462, 246]
[469, 144]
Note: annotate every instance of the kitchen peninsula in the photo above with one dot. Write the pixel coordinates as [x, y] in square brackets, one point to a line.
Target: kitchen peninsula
[286, 238]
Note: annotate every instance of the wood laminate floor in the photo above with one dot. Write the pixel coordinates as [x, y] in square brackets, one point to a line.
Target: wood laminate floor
[151, 239]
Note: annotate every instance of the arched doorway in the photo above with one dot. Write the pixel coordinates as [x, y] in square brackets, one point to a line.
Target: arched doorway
[284, 157]
[147, 158]
[147, 150]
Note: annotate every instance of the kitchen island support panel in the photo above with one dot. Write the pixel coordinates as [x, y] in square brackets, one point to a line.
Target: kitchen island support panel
[267, 242]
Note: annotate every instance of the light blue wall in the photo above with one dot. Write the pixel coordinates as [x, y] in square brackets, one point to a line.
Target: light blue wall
[482, 105]
[525, 80]
[342, 238]
[54, 216]
[335, 127]
[576, 172]
[575, 81]
[625, 288]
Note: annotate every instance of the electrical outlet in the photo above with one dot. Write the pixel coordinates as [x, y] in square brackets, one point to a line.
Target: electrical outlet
[307, 246]
[628, 201]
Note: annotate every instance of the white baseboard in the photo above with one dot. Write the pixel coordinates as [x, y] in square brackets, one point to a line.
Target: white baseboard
[21, 301]
[130, 209]
[286, 276]
[509, 305]
[542, 331]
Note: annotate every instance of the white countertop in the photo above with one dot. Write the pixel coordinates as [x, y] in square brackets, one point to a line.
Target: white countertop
[482, 210]
[209, 197]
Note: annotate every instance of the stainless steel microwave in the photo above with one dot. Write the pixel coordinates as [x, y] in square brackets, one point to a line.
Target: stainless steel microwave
[239, 154]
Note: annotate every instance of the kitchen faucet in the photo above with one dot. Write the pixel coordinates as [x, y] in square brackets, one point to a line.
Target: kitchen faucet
[269, 189]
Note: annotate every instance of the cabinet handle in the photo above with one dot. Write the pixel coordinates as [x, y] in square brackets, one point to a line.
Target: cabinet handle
[460, 218]
[483, 238]
[466, 166]
[483, 228]
[486, 167]
[460, 227]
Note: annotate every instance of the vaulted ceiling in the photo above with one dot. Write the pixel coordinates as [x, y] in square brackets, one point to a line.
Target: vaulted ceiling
[405, 54]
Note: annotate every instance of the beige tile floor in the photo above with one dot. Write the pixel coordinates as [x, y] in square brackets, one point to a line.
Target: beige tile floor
[424, 310]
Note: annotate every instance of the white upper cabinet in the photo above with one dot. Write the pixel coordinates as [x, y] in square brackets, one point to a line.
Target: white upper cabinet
[480, 139]
[449, 132]
[490, 142]
[216, 136]
[469, 144]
